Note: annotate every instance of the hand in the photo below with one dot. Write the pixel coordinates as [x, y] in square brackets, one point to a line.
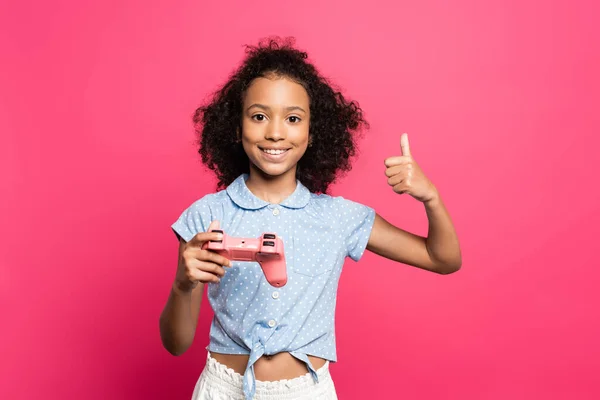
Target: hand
[197, 265]
[405, 175]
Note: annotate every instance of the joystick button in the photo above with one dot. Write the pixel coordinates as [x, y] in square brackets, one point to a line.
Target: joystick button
[269, 243]
[269, 236]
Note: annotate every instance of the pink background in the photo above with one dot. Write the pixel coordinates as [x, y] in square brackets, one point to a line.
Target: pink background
[97, 159]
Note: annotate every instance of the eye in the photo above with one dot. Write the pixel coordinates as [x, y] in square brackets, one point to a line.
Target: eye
[258, 117]
[293, 119]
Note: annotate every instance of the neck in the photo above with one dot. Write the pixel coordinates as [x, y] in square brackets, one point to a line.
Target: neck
[272, 189]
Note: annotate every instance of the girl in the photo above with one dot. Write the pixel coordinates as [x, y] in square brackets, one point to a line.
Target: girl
[277, 135]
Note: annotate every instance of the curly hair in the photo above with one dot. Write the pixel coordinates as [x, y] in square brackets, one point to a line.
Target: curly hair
[334, 120]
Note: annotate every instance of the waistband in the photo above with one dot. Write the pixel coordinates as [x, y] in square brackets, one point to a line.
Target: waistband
[229, 382]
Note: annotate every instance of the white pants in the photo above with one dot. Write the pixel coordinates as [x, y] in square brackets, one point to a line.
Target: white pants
[217, 382]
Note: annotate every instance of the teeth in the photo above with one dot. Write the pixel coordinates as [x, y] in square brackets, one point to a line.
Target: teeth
[274, 152]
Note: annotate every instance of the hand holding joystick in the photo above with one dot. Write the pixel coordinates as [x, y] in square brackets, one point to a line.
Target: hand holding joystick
[267, 250]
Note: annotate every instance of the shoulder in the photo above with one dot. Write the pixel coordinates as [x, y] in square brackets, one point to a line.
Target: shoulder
[334, 202]
[206, 206]
[323, 202]
[198, 216]
[338, 207]
[210, 200]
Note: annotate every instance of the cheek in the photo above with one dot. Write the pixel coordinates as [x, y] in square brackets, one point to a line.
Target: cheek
[249, 131]
[302, 147]
[249, 140]
[300, 137]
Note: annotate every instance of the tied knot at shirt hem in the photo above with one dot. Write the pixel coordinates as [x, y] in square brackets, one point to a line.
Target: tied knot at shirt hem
[258, 350]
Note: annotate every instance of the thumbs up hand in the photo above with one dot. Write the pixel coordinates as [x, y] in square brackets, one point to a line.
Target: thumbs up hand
[405, 175]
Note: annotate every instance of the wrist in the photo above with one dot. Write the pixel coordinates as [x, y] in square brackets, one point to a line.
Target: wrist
[433, 201]
[183, 288]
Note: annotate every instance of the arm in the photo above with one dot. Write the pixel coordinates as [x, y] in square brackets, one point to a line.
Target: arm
[179, 318]
[195, 267]
[440, 251]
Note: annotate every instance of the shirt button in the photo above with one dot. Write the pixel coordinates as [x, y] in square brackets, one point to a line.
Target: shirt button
[276, 211]
[272, 323]
[275, 295]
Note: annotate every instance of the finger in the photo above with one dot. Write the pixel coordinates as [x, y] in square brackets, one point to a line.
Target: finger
[194, 266]
[203, 237]
[397, 160]
[205, 277]
[207, 255]
[213, 257]
[213, 225]
[404, 145]
[396, 179]
[211, 268]
[397, 169]
[401, 188]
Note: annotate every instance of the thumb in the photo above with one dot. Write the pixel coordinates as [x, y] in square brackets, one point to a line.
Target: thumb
[202, 237]
[213, 225]
[404, 144]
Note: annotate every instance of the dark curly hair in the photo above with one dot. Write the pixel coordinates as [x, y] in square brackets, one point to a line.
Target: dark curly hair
[334, 121]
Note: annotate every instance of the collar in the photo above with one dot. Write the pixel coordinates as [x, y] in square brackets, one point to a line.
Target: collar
[244, 198]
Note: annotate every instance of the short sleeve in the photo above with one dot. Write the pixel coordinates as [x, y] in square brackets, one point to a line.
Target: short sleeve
[195, 219]
[356, 222]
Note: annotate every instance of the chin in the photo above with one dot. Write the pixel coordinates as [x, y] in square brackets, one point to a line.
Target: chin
[272, 171]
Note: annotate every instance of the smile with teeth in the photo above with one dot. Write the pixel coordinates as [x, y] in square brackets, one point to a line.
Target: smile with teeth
[274, 152]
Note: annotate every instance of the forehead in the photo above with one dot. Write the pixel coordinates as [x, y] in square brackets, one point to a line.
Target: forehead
[275, 91]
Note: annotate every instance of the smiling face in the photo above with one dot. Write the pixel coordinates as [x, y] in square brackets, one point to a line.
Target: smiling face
[275, 126]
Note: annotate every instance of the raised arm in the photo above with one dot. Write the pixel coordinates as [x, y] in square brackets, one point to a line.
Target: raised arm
[439, 252]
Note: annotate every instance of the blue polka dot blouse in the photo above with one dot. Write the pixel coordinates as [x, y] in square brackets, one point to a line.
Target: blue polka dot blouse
[254, 318]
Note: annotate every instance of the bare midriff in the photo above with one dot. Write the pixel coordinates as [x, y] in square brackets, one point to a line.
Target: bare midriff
[269, 368]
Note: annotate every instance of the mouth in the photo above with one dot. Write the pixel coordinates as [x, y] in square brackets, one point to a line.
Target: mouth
[274, 154]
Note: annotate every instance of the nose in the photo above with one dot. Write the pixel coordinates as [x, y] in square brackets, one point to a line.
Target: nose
[275, 130]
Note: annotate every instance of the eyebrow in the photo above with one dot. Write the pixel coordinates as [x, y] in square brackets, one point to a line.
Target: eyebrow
[267, 108]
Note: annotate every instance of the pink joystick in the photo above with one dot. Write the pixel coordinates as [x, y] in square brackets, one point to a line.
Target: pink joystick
[267, 250]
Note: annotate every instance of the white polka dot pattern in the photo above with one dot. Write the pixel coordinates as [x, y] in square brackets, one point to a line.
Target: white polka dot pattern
[318, 232]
